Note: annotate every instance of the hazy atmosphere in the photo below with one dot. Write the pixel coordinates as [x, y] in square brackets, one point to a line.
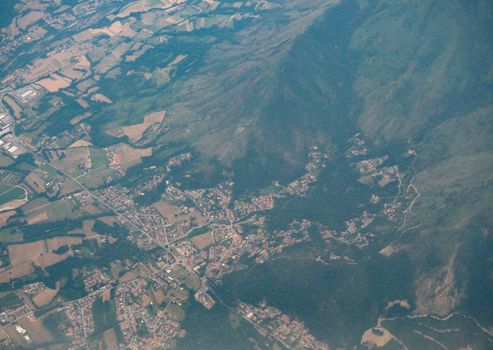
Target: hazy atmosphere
[246, 174]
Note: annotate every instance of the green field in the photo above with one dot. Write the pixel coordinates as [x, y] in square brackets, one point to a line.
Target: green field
[10, 192]
[5, 161]
[48, 168]
[104, 315]
[176, 311]
[98, 157]
[55, 211]
[62, 209]
[9, 300]
[96, 178]
[190, 279]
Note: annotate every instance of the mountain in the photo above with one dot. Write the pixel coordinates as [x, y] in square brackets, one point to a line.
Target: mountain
[407, 74]
[251, 174]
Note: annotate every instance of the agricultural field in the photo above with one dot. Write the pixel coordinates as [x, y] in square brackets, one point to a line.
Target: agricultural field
[176, 311]
[44, 297]
[41, 252]
[74, 161]
[5, 161]
[15, 107]
[98, 157]
[54, 83]
[136, 131]
[87, 230]
[97, 177]
[131, 156]
[17, 271]
[101, 98]
[104, 315]
[110, 339]
[190, 279]
[11, 196]
[36, 182]
[38, 331]
[10, 235]
[175, 214]
[80, 143]
[9, 299]
[203, 240]
[168, 165]
[45, 211]
[158, 296]
[129, 276]
[4, 216]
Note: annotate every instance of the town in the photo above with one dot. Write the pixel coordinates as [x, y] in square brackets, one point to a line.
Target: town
[197, 236]
[270, 321]
[94, 254]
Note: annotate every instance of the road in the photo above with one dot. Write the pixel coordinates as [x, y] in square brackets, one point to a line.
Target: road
[30, 149]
